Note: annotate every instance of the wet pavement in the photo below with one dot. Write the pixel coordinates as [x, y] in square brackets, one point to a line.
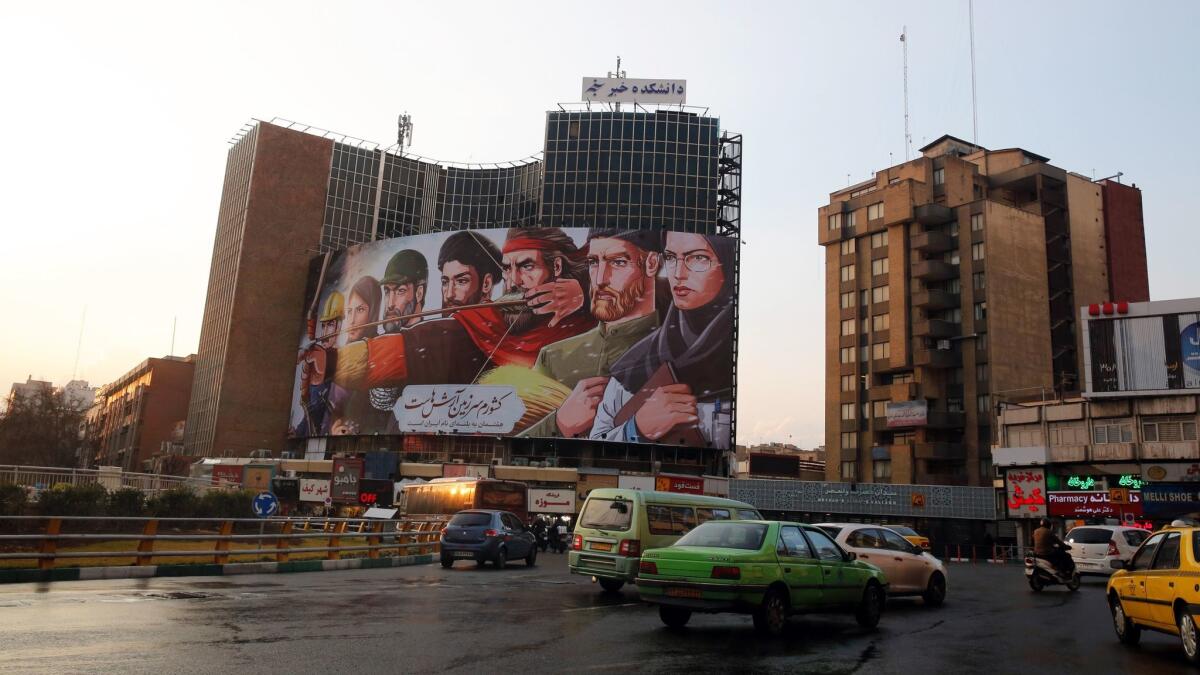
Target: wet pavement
[466, 619]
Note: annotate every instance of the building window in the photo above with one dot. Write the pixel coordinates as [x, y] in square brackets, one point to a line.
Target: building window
[851, 219]
[849, 440]
[952, 228]
[879, 239]
[981, 341]
[882, 470]
[848, 327]
[865, 298]
[981, 311]
[847, 355]
[939, 176]
[847, 272]
[977, 251]
[847, 411]
[864, 353]
[879, 409]
[835, 221]
[880, 294]
[950, 315]
[953, 286]
[847, 383]
[983, 404]
[979, 281]
[847, 300]
[977, 222]
[956, 376]
[879, 266]
[902, 378]
[1168, 430]
[981, 372]
[881, 322]
[866, 325]
[849, 470]
[847, 246]
[951, 257]
[1112, 432]
[875, 211]
[881, 350]
[954, 404]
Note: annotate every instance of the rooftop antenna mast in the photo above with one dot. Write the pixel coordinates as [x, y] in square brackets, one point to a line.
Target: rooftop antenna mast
[907, 133]
[79, 343]
[974, 109]
[404, 129]
[621, 74]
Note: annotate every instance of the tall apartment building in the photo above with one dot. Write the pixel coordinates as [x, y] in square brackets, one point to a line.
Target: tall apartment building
[136, 414]
[952, 281]
[292, 193]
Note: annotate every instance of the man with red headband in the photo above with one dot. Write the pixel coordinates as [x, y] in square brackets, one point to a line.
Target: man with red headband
[541, 266]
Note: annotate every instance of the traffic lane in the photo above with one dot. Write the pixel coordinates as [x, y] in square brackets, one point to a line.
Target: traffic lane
[467, 619]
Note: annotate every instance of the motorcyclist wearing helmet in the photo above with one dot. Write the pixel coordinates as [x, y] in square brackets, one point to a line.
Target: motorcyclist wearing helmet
[1048, 546]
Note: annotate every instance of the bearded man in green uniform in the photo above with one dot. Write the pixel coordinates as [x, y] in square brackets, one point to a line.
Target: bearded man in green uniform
[623, 266]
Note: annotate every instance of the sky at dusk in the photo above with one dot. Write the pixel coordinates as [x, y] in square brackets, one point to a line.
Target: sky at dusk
[117, 118]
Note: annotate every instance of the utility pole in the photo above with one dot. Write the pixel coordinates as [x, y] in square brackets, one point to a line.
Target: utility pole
[404, 131]
[621, 74]
[907, 133]
[79, 343]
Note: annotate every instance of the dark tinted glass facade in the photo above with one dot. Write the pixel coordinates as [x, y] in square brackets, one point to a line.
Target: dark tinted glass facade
[631, 169]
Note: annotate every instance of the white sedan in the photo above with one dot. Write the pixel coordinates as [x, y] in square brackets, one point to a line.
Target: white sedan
[910, 571]
[1103, 549]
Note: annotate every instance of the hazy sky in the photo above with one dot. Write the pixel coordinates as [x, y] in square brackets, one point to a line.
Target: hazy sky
[117, 117]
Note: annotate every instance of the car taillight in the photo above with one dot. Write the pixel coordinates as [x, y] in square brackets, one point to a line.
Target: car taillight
[577, 543]
[648, 567]
[443, 532]
[1112, 548]
[490, 533]
[727, 573]
[630, 547]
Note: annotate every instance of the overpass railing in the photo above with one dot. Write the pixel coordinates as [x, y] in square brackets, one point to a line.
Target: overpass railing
[51, 541]
[44, 477]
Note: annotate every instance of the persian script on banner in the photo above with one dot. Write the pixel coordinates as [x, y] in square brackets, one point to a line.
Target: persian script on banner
[464, 409]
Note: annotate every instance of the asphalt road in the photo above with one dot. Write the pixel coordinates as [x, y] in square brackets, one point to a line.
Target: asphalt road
[426, 619]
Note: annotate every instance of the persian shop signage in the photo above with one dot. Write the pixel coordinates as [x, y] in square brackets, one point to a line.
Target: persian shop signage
[692, 486]
[460, 409]
[1025, 493]
[629, 90]
[907, 414]
[227, 474]
[313, 490]
[347, 473]
[1079, 504]
[1173, 473]
[551, 501]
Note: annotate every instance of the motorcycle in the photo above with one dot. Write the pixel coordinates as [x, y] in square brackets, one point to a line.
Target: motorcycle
[1041, 573]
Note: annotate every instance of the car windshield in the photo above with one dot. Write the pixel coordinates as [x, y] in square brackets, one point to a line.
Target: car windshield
[726, 534]
[471, 518]
[903, 531]
[607, 514]
[1089, 535]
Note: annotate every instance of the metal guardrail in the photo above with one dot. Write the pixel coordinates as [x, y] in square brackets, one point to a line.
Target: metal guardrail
[403, 536]
[48, 476]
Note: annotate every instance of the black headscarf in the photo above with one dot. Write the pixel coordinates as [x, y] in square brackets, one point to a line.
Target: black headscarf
[698, 343]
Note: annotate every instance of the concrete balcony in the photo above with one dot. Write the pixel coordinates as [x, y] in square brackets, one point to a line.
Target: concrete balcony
[936, 358]
[1068, 453]
[932, 300]
[941, 419]
[1175, 450]
[905, 391]
[933, 214]
[1113, 452]
[933, 242]
[934, 270]
[939, 450]
[936, 328]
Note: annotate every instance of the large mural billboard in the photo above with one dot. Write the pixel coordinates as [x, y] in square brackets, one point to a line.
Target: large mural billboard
[610, 335]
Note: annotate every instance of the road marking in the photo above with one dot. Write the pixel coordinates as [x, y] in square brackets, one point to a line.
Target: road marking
[588, 609]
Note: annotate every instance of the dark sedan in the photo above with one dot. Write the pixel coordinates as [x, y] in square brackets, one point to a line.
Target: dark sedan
[482, 535]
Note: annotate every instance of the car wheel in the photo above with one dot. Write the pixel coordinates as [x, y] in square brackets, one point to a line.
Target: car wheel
[501, 559]
[1128, 633]
[1187, 636]
[611, 585]
[771, 617]
[1073, 582]
[447, 561]
[1035, 582]
[870, 608]
[935, 590]
[674, 617]
[531, 559]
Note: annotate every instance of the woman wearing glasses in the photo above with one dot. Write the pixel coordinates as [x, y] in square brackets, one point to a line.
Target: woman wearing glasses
[685, 365]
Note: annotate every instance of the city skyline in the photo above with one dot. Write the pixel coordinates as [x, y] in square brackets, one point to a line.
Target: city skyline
[139, 254]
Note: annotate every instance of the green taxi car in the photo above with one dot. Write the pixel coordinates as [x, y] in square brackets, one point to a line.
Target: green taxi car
[768, 569]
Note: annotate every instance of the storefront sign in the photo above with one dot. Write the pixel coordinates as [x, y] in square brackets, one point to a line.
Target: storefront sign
[1076, 504]
[313, 490]
[258, 477]
[375, 492]
[692, 486]
[551, 501]
[347, 474]
[636, 482]
[907, 414]
[918, 500]
[226, 474]
[1026, 493]
[1081, 482]
[1164, 501]
[1183, 472]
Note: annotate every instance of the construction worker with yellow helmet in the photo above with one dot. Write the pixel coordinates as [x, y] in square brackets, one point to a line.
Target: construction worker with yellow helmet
[330, 319]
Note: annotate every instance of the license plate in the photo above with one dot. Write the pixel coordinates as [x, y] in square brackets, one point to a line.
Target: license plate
[464, 554]
[683, 592]
[601, 546]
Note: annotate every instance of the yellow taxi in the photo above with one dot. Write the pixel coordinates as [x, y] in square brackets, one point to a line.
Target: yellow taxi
[1159, 589]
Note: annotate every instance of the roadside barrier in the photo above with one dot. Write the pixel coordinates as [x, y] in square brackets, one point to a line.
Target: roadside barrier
[275, 537]
[983, 554]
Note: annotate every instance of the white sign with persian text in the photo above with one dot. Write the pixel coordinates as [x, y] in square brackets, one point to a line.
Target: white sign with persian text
[551, 501]
[314, 490]
[627, 90]
[458, 408]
